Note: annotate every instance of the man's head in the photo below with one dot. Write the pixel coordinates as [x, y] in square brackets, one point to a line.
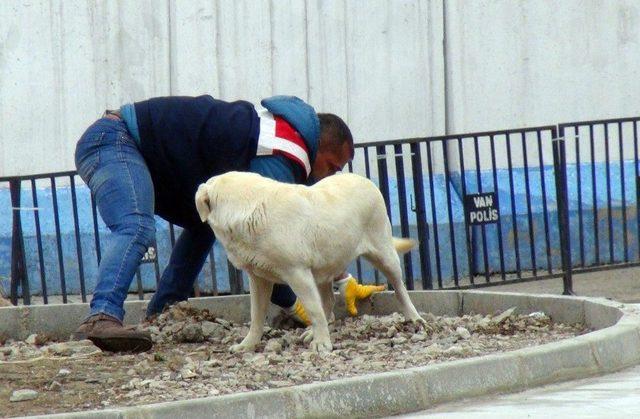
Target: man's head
[335, 149]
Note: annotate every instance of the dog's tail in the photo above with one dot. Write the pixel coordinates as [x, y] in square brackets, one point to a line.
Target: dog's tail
[403, 245]
[202, 202]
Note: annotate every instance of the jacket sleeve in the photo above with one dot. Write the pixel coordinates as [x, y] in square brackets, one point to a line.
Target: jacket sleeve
[277, 168]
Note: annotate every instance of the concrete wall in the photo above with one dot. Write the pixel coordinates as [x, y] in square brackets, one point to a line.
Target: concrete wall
[392, 69]
[517, 63]
[376, 63]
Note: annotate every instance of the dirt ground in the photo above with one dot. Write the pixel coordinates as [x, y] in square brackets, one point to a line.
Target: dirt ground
[79, 377]
[191, 359]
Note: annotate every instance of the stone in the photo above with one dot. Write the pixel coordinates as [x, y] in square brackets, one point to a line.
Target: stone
[60, 349]
[212, 330]
[54, 386]
[31, 340]
[23, 395]
[273, 345]
[187, 374]
[503, 316]
[191, 333]
[453, 351]
[399, 340]
[463, 332]
[63, 372]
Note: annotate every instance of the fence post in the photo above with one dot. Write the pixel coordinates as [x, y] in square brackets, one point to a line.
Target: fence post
[560, 172]
[235, 279]
[18, 261]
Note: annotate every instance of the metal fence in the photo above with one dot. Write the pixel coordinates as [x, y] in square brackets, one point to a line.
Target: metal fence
[487, 208]
[60, 256]
[426, 183]
[605, 223]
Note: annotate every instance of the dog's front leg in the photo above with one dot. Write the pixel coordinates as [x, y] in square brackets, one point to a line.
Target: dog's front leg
[303, 285]
[260, 293]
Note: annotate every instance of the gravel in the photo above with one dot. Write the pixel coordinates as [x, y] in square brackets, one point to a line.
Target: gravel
[191, 359]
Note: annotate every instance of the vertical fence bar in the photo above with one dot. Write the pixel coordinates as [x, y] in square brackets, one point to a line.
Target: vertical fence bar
[624, 196]
[452, 237]
[358, 262]
[367, 170]
[594, 186]
[139, 284]
[421, 216]
[56, 215]
[96, 233]
[434, 216]
[463, 184]
[544, 203]
[214, 275]
[383, 179]
[609, 212]
[527, 187]
[235, 280]
[579, 185]
[404, 217]
[559, 162]
[383, 176]
[495, 188]
[156, 267]
[485, 256]
[76, 228]
[635, 165]
[514, 215]
[36, 217]
[19, 273]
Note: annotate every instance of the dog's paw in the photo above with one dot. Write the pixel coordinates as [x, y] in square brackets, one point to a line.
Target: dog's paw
[321, 347]
[241, 347]
[307, 336]
[419, 322]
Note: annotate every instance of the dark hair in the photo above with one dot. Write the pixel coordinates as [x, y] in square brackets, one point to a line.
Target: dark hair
[334, 133]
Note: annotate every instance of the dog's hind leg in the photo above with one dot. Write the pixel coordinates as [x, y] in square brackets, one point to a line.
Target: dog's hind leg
[303, 285]
[328, 300]
[388, 262]
[260, 293]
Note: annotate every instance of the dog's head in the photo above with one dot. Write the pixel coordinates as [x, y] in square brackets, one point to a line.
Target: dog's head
[229, 200]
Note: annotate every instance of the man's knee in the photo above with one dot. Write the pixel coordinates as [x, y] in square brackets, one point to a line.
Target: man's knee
[140, 226]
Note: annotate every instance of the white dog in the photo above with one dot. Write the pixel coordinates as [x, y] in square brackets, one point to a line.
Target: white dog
[304, 237]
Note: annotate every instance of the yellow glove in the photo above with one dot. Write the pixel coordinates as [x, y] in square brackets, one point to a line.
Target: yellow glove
[352, 292]
[298, 313]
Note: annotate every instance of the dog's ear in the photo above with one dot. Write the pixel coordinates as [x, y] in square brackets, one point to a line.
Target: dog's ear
[202, 202]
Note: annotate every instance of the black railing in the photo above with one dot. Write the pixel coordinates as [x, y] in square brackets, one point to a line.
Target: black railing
[549, 189]
[62, 254]
[605, 223]
[440, 172]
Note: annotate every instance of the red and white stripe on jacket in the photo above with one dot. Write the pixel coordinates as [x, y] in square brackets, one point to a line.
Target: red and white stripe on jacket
[277, 136]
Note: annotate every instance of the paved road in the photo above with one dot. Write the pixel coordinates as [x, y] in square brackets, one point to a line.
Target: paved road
[611, 396]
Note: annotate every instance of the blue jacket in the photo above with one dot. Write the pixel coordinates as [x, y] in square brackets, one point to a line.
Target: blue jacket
[186, 140]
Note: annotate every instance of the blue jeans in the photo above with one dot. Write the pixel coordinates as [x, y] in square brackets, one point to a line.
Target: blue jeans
[110, 163]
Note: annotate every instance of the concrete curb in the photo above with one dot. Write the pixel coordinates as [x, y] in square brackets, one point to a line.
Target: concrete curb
[614, 346]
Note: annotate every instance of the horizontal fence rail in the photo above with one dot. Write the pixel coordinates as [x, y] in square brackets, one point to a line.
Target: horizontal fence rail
[487, 208]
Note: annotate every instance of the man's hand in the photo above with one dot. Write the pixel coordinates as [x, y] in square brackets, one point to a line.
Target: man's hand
[352, 292]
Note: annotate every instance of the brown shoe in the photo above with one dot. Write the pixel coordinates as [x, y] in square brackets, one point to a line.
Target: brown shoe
[108, 334]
